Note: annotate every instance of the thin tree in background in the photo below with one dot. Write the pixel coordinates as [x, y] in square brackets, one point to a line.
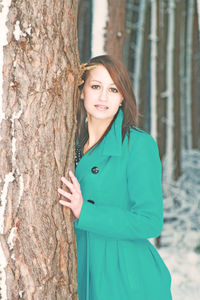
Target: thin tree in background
[115, 30]
[190, 12]
[40, 75]
[154, 37]
[99, 20]
[165, 74]
[84, 28]
[144, 85]
[195, 81]
[170, 91]
[161, 77]
[139, 49]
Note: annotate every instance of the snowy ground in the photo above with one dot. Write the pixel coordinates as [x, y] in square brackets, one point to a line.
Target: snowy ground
[180, 238]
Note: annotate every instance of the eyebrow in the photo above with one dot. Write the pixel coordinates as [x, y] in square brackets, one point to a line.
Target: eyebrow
[101, 82]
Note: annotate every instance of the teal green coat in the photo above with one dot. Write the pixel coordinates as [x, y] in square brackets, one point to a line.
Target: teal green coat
[115, 259]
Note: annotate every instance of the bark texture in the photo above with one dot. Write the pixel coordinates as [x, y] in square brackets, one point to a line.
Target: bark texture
[41, 69]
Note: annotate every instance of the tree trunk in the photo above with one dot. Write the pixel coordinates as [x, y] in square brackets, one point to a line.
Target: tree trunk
[115, 31]
[139, 55]
[40, 75]
[99, 19]
[161, 105]
[143, 101]
[177, 93]
[154, 38]
[84, 29]
[189, 55]
[195, 81]
[170, 91]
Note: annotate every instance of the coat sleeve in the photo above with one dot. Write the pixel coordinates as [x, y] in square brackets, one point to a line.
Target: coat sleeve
[144, 218]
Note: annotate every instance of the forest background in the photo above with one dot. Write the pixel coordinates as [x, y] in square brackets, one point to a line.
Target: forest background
[158, 42]
[41, 46]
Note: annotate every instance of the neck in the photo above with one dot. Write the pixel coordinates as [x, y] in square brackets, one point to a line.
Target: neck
[96, 129]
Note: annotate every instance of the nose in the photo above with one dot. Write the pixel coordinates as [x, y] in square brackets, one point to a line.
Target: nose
[103, 95]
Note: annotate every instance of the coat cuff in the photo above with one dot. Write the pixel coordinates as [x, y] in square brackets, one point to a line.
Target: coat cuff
[87, 210]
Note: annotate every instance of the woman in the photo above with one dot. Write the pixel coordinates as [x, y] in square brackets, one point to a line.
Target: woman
[116, 196]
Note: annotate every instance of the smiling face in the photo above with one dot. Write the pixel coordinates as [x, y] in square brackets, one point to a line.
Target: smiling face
[101, 96]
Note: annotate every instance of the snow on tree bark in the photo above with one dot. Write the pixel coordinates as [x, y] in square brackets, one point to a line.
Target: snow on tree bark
[40, 75]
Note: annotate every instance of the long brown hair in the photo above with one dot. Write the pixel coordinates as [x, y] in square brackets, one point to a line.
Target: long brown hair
[122, 81]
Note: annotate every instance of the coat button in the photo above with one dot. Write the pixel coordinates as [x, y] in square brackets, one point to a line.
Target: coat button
[95, 170]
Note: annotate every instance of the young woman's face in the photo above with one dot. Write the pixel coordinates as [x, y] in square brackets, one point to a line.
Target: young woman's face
[101, 96]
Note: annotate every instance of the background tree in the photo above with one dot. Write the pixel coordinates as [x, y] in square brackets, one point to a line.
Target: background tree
[40, 65]
[84, 29]
[162, 57]
[115, 32]
[101, 28]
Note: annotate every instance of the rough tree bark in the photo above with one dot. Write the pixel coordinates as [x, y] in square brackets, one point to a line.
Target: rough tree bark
[40, 75]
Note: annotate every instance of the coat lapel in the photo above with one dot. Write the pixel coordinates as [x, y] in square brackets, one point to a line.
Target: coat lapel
[111, 145]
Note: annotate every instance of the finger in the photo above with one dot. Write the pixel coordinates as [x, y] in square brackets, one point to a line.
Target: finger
[65, 194]
[74, 179]
[65, 203]
[68, 184]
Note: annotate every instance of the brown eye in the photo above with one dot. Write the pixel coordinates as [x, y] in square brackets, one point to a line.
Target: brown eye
[95, 86]
[113, 90]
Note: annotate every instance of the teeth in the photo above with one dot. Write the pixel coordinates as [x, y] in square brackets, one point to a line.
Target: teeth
[101, 106]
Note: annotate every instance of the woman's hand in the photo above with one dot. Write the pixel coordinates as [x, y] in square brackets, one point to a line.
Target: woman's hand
[75, 197]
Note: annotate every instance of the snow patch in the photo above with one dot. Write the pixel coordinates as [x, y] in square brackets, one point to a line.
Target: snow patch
[11, 238]
[21, 294]
[18, 32]
[180, 239]
[21, 189]
[14, 116]
[99, 20]
[8, 178]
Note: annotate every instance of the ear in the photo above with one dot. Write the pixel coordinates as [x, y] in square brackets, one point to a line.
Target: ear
[121, 102]
[82, 95]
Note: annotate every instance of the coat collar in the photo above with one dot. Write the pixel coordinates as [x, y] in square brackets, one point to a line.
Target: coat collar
[112, 143]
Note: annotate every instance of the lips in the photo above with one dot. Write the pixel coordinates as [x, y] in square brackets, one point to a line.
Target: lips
[101, 107]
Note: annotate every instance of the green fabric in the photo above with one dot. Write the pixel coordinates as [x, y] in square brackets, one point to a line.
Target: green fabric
[115, 259]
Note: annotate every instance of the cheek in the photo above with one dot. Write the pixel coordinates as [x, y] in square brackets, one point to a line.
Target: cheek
[119, 101]
[87, 102]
